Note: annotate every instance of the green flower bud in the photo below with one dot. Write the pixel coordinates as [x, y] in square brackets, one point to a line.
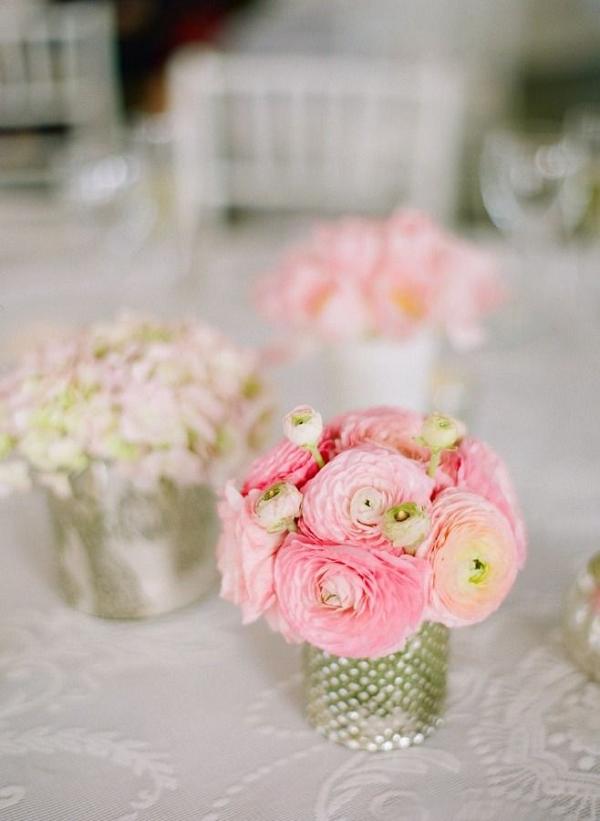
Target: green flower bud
[441, 432]
[405, 525]
[279, 507]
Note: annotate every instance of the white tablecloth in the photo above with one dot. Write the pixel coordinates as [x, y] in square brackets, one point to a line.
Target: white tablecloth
[192, 718]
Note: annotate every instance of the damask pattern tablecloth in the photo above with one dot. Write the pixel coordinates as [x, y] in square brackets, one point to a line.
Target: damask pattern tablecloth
[192, 718]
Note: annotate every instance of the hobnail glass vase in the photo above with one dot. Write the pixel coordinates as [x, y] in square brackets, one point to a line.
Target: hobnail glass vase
[127, 553]
[379, 704]
[582, 619]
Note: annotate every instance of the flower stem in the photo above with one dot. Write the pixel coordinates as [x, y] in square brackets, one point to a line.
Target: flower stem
[434, 462]
[316, 455]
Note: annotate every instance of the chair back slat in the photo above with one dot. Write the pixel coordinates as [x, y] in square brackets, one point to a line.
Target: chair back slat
[316, 133]
[57, 68]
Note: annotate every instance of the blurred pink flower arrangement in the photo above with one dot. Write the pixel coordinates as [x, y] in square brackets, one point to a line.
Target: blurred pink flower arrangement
[359, 278]
[158, 400]
[350, 536]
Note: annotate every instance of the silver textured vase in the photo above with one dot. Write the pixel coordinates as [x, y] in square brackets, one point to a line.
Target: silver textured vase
[380, 704]
[124, 553]
[582, 619]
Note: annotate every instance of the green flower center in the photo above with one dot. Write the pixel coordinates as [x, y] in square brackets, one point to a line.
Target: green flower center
[271, 493]
[479, 571]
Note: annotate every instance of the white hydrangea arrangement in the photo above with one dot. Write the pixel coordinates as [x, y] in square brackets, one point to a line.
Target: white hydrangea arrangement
[158, 400]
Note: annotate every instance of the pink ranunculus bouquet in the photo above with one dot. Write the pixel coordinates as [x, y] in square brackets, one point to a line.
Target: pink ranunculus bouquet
[351, 536]
[356, 279]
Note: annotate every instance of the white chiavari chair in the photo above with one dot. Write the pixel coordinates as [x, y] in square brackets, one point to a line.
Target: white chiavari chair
[57, 70]
[313, 134]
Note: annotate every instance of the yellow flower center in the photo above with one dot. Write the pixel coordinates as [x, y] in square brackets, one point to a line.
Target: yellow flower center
[406, 302]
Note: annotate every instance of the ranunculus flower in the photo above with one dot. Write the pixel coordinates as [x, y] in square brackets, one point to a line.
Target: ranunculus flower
[278, 507]
[440, 432]
[395, 428]
[480, 469]
[347, 600]
[473, 555]
[285, 462]
[405, 525]
[303, 426]
[321, 286]
[347, 499]
[245, 554]
[390, 278]
[430, 277]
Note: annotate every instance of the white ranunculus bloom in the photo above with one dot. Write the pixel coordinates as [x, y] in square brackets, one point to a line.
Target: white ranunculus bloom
[279, 507]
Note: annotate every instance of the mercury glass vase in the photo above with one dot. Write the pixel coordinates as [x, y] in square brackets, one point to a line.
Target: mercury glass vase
[582, 619]
[125, 553]
[380, 704]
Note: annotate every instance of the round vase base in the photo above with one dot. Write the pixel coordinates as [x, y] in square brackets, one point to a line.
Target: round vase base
[385, 741]
[383, 704]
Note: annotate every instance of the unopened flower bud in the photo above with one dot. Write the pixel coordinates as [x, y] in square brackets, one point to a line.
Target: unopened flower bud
[303, 426]
[441, 432]
[405, 525]
[278, 507]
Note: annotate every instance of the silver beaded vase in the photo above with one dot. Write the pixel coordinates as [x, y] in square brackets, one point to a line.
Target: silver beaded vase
[124, 553]
[581, 621]
[380, 704]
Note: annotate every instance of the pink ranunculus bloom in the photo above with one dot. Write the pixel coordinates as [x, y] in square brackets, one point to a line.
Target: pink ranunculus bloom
[347, 600]
[473, 555]
[324, 285]
[481, 470]
[347, 499]
[470, 290]
[285, 462]
[404, 291]
[245, 555]
[434, 277]
[309, 294]
[278, 624]
[351, 248]
[390, 278]
[395, 428]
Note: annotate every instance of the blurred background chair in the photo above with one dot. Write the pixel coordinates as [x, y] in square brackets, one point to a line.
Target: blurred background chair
[318, 134]
[57, 83]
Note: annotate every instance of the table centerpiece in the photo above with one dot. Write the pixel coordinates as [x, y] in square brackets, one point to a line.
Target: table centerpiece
[128, 426]
[374, 297]
[367, 540]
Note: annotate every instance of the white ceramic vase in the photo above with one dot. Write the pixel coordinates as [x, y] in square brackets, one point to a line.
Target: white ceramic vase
[382, 372]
